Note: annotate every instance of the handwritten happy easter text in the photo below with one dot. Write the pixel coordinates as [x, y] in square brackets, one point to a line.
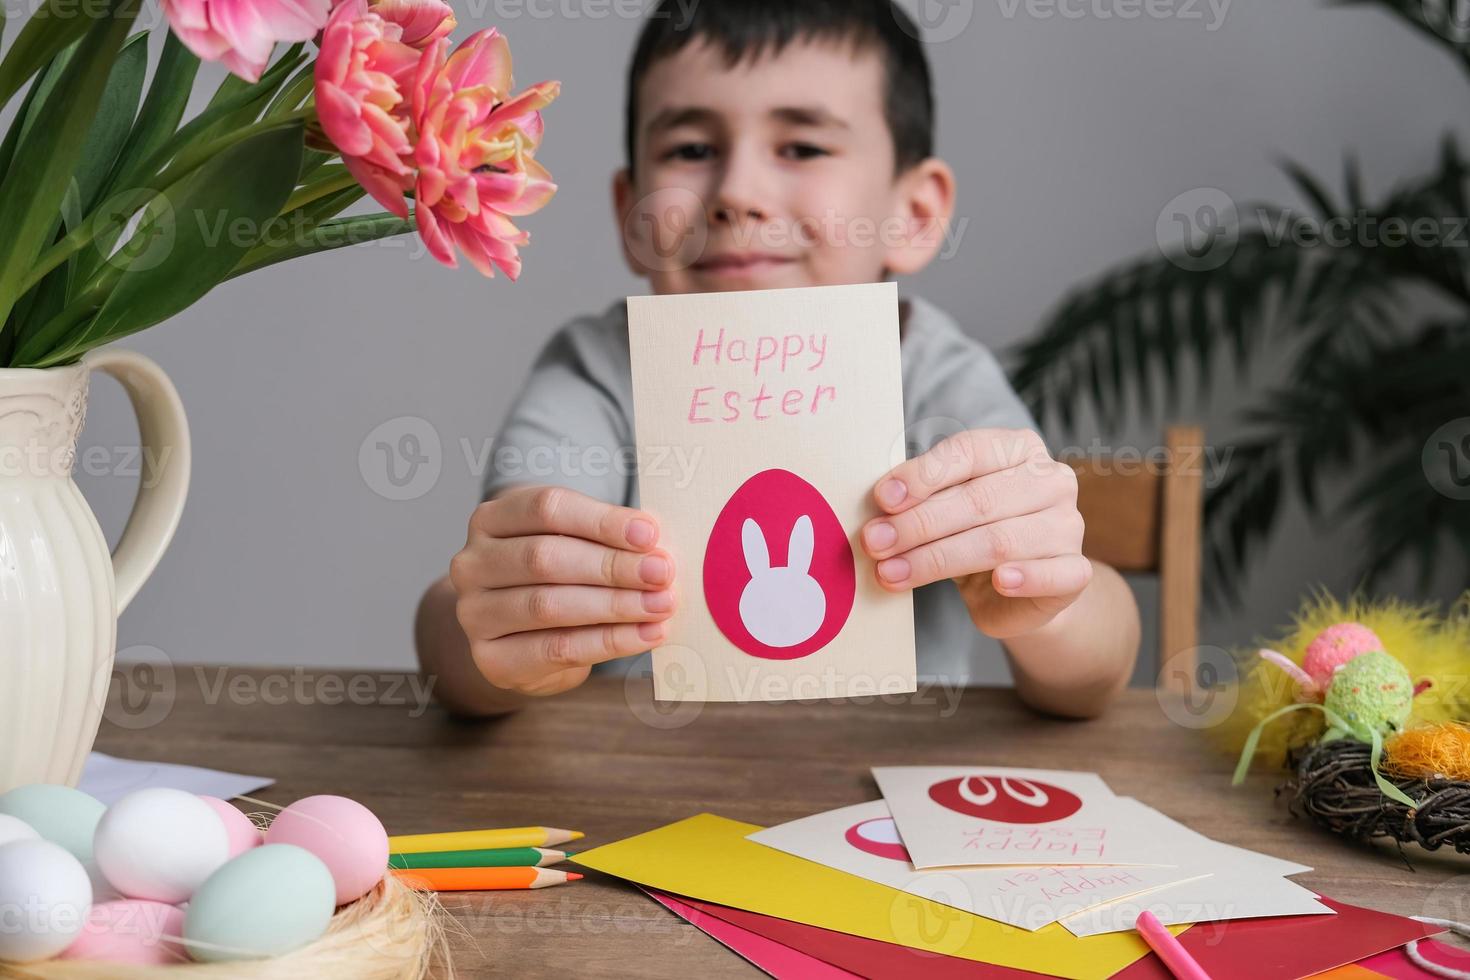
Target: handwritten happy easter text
[769, 358]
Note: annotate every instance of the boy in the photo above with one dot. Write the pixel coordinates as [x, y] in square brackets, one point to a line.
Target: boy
[778, 130]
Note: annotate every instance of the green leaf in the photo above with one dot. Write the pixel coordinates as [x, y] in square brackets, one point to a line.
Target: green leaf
[233, 88]
[216, 216]
[17, 124]
[31, 196]
[329, 235]
[1310, 188]
[54, 25]
[168, 97]
[114, 120]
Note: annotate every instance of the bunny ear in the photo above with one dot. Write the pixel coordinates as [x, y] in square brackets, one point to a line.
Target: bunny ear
[799, 548]
[757, 558]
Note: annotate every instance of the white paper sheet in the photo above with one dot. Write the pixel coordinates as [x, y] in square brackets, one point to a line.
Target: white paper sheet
[109, 778]
[1246, 895]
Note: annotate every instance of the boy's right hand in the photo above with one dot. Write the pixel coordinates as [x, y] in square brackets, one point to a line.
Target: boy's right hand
[552, 581]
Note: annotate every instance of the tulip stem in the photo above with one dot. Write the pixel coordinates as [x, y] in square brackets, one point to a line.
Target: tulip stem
[320, 189]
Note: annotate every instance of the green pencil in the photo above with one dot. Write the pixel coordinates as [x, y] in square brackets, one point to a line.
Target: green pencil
[499, 857]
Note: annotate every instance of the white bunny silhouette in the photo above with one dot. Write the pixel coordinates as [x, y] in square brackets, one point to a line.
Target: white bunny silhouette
[781, 607]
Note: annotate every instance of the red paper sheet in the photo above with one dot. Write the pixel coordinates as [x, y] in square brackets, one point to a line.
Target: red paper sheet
[1286, 948]
[1289, 947]
[857, 954]
[1397, 965]
[766, 954]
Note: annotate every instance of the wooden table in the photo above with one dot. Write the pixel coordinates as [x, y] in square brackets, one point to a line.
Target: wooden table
[605, 760]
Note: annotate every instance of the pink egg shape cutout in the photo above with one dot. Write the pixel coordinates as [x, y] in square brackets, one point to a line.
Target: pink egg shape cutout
[1335, 646]
[132, 931]
[344, 834]
[779, 575]
[242, 834]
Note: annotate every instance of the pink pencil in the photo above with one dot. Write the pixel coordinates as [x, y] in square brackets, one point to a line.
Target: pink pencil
[1170, 950]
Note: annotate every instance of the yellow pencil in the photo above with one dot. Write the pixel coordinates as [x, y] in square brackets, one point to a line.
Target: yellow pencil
[473, 840]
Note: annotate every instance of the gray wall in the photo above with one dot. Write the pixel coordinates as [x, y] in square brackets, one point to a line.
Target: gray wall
[1069, 134]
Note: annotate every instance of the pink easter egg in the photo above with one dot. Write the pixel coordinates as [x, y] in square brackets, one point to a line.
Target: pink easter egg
[131, 931]
[241, 833]
[344, 834]
[1335, 646]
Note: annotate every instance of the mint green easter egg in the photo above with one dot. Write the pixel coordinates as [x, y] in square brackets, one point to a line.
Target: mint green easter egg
[59, 814]
[1371, 692]
[268, 901]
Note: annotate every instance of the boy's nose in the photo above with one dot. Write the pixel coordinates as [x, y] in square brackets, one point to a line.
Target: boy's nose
[737, 196]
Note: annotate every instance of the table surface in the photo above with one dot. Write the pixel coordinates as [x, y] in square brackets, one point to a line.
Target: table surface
[607, 760]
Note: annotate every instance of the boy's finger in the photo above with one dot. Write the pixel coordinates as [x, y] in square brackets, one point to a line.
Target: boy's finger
[525, 659]
[990, 498]
[979, 549]
[958, 458]
[538, 607]
[1064, 575]
[558, 510]
[552, 559]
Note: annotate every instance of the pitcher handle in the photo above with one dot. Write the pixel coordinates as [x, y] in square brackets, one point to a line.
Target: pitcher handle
[163, 432]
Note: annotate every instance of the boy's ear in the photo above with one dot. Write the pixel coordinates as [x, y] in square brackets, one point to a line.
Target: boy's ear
[622, 194]
[925, 200]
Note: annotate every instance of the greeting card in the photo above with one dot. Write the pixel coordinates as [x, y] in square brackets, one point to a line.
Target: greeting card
[863, 840]
[787, 407]
[990, 815]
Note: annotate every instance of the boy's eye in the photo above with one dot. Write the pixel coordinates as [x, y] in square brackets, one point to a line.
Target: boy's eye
[802, 151]
[692, 152]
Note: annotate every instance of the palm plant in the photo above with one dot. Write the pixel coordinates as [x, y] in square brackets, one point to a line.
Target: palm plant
[1370, 315]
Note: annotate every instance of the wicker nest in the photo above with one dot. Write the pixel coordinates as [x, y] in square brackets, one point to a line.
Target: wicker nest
[392, 933]
[1334, 786]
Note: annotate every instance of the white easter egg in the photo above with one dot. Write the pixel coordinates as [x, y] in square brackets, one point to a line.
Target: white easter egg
[45, 896]
[160, 844]
[14, 828]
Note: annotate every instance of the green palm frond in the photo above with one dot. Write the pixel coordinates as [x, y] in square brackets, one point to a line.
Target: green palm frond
[1329, 292]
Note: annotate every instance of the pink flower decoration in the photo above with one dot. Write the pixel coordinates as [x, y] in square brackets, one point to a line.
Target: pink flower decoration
[361, 76]
[423, 21]
[474, 153]
[242, 33]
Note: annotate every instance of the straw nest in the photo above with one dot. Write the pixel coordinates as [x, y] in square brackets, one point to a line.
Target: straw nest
[392, 933]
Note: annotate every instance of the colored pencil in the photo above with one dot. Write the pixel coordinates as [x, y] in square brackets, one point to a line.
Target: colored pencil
[482, 879]
[474, 840]
[497, 857]
[1169, 949]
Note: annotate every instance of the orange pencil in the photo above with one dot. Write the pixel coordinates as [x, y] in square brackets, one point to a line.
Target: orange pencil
[482, 879]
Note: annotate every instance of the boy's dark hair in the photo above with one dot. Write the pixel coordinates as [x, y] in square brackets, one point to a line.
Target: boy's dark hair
[747, 29]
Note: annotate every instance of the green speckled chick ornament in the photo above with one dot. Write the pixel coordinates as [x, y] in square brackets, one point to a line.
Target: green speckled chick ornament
[1371, 693]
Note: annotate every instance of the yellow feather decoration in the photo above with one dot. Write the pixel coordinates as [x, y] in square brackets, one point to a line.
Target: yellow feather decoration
[1434, 647]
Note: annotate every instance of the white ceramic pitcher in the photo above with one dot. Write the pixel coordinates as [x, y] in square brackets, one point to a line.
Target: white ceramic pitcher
[60, 591]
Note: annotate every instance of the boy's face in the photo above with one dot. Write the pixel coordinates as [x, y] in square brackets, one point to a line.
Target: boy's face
[776, 172]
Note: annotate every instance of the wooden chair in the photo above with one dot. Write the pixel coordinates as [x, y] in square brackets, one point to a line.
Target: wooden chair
[1145, 517]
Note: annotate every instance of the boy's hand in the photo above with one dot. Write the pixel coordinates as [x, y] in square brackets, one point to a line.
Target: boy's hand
[552, 581]
[992, 504]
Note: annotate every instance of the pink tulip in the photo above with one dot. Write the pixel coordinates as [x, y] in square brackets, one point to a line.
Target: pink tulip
[362, 75]
[423, 21]
[242, 33]
[474, 153]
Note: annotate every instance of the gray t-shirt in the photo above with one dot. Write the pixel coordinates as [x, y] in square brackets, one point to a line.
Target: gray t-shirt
[572, 425]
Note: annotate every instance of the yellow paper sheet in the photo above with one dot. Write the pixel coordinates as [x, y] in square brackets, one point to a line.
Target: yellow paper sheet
[708, 858]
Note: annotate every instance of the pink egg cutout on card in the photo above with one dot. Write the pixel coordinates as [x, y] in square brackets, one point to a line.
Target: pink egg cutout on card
[779, 573]
[131, 931]
[344, 834]
[242, 834]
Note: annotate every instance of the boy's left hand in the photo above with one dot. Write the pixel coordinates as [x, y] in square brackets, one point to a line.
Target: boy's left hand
[991, 504]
